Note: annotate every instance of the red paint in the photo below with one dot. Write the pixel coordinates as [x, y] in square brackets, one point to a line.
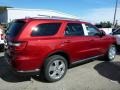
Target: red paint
[32, 51]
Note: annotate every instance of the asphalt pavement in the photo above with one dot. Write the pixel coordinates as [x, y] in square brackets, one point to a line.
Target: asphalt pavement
[94, 75]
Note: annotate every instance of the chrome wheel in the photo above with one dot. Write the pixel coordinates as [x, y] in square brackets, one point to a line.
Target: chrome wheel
[112, 52]
[57, 69]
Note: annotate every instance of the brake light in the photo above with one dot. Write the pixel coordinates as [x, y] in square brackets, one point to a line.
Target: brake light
[18, 45]
[1, 36]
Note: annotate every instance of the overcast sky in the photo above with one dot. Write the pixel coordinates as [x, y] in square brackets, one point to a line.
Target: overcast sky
[91, 10]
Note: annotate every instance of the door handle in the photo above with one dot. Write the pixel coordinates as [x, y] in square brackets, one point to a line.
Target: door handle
[67, 41]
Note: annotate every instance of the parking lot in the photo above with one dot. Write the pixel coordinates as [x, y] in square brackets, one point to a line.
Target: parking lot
[95, 75]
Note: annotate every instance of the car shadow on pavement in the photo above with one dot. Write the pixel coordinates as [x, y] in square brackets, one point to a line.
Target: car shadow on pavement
[110, 70]
[7, 74]
[40, 78]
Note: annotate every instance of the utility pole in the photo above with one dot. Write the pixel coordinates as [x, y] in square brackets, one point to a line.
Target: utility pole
[116, 5]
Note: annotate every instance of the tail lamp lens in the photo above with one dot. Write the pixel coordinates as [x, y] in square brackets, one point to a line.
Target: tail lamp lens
[2, 36]
[18, 45]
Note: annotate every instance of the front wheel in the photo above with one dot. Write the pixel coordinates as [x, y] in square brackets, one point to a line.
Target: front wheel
[111, 53]
[55, 68]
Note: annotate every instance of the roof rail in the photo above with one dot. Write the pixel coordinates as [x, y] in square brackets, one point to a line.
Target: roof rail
[53, 17]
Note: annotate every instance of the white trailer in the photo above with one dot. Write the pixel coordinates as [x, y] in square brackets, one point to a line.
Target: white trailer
[107, 30]
[9, 14]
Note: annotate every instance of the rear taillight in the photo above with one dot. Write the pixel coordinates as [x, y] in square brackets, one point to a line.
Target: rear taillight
[18, 45]
[2, 36]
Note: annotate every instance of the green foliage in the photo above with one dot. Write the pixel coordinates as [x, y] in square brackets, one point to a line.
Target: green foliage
[107, 24]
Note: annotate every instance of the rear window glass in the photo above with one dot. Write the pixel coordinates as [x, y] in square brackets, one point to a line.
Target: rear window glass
[46, 29]
[15, 28]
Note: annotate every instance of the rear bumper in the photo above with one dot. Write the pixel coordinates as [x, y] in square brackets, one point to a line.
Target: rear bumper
[30, 72]
[20, 72]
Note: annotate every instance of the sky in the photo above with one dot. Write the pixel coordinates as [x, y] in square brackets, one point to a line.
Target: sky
[91, 10]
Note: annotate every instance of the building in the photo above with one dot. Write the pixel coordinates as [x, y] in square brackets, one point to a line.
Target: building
[9, 14]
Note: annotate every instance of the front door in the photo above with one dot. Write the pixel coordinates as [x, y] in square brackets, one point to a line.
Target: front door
[76, 43]
[99, 43]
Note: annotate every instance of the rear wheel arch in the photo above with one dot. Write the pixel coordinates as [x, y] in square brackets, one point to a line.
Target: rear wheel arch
[61, 53]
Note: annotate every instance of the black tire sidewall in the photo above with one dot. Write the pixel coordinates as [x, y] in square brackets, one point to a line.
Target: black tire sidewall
[47, 64]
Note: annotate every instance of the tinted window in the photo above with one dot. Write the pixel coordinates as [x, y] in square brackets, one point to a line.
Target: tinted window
[117, 31]
[15, 28]
[92, 30]
[74, 29]
[46, 29]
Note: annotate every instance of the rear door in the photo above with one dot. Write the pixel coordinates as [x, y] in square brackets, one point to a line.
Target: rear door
[76, 43]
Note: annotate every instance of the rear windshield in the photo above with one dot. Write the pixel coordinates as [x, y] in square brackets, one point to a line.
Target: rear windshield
[15, 28]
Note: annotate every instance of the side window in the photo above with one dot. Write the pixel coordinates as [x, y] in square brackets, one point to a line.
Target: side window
[92, 30]
[46, 29]
[117, 32]
[74, 29]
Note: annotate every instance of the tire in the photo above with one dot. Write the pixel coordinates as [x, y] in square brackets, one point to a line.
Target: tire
[118, 48]
[1, 47]
[55, 68]
[111, 53]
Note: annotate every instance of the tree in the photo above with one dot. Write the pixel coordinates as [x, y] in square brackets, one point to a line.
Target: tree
[107, 24]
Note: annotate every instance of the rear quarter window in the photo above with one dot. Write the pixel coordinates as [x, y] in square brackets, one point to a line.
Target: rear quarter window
[46, 29]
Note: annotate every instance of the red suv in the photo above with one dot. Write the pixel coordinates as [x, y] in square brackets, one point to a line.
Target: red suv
[51, 45]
